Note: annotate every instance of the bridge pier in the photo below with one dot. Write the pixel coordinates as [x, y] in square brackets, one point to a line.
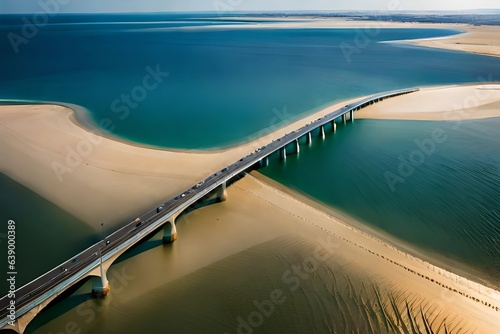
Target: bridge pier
[334, 126]
[344, 119]
[101, 290]
[322, 131]
[169, 232]
[264, 162]
[283, 153]
[309, 138]
[222, 192]
[351, 116]
[297, 146]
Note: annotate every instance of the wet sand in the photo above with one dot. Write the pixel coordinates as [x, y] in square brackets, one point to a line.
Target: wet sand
[327, 274]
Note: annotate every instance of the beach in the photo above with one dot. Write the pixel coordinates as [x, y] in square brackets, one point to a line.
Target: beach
[102, 179]
[477, 39]
[449, 103]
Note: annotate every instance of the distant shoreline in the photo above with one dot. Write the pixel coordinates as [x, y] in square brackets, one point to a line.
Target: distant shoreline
[482, 39]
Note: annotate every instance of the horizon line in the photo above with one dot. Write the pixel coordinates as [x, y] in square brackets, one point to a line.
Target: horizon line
[287, 12]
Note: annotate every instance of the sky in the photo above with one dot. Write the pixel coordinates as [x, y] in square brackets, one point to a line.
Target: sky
[100, 6]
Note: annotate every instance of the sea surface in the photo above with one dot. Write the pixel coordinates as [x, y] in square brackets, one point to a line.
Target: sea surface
[178, 84]
[183, 83]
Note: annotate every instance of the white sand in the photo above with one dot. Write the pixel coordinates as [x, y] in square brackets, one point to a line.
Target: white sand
[451, 103]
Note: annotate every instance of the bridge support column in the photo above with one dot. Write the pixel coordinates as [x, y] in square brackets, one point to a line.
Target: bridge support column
[351, 115]
[169, 232]
[264, 162]
[309, 138]
[344, 119]
[222, 193]
[283, 153]
[322, 131]
[334, 126]
[297, 146]
[101, 289]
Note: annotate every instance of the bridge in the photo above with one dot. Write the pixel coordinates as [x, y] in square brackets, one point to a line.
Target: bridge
[31, 298]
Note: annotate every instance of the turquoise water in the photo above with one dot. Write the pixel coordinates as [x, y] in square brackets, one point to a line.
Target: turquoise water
[446, 204]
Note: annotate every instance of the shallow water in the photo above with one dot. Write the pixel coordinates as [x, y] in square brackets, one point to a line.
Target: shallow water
[440, 197]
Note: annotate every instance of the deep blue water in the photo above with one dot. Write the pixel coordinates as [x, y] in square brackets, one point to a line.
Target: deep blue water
[222, 84]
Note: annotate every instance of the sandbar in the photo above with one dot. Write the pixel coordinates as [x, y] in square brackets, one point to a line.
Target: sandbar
[450, 103]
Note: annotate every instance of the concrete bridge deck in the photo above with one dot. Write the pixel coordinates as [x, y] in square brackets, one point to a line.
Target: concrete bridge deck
[32, 297]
